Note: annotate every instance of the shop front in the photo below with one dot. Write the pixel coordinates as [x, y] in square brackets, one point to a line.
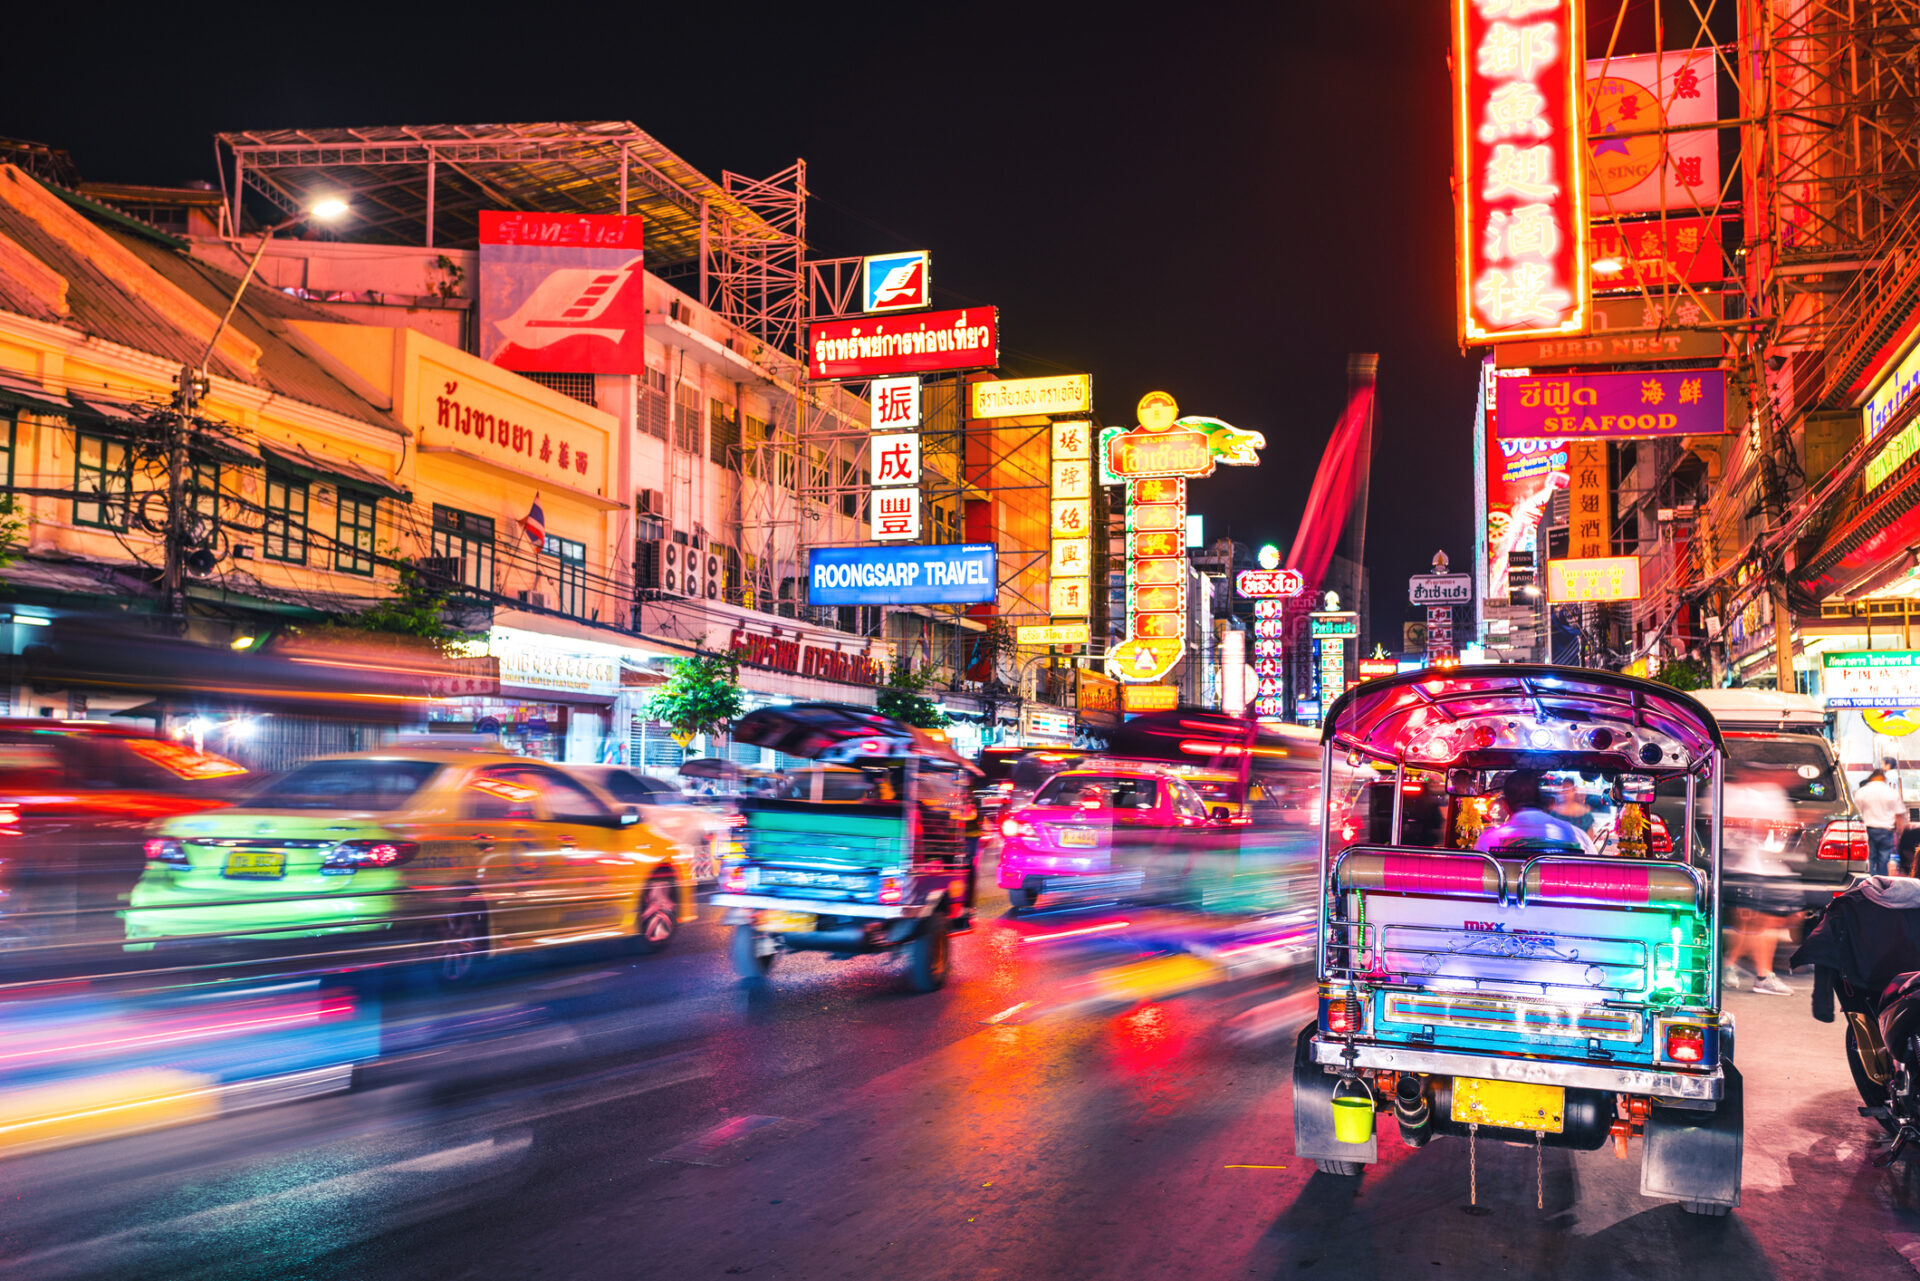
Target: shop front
[555, 698]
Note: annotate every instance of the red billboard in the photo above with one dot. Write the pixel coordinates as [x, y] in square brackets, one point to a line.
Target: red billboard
[562, 293]
[1519, 169]
[925, 343]
[1253, 583]
[1657, 253]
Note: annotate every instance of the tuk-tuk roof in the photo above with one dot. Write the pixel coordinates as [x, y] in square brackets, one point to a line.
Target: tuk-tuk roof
[1384, 718]
[840, 732]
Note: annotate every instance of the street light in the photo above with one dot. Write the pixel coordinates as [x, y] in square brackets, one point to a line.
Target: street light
[192, 388]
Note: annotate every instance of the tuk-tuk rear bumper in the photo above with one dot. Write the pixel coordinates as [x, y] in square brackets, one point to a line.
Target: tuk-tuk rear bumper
[821, 907]
[1624, 1079]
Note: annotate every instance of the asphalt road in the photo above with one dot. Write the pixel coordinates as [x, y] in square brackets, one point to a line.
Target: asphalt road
[604, 1117]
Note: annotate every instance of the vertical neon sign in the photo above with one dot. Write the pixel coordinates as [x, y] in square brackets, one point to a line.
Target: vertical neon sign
[1520, 169]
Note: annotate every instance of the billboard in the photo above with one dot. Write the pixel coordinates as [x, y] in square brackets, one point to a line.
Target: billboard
[1017, 397]
[1256, 583]
[1593, 578]
[1053, 634]
[1520, 171]
[562, 293]
[887, 346]
[1611, 406]
[896, 282]
[948, 574]
[1633, 166]
[1659, 252]
[1875, 679]
[1630, 331]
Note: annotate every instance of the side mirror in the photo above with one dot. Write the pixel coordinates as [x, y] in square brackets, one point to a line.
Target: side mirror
[1636, 789]
[1463, 782]
[629, 815]
[1220, 814]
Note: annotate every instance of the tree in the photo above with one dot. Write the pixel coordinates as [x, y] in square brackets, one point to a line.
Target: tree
[417, 609]
[701, 695]
[904, 698]
[13, 525]
[1683, 674]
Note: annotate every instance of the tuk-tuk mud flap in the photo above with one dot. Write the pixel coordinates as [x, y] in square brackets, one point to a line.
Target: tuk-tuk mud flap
[1313, 1089]
[1691, 1155]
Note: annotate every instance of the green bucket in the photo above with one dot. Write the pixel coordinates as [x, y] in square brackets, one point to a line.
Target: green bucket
[1352, 1116]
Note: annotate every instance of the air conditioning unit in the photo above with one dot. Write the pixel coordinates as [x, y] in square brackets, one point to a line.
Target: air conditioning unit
[716, 583]
[647, 566]
[673, 564]
[535, 600]
[650, 502]
[680, 311]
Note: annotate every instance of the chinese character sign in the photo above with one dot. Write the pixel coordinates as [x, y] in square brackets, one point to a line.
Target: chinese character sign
[1611, 406]
[1638, 167]
[896, 514]
[896, 459]
[1520, 176]
[1602, 578]
[896, 403]
[1070, 564]
[1589, 500]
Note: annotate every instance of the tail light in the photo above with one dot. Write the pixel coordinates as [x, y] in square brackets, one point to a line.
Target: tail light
[737, 878]
[1686, 1043]
[163, 849]
[1659, 839]
[1013, 827]
[1343, 1014]
[352, 856]
[1845, 838]
[893, 888]
[9, 820]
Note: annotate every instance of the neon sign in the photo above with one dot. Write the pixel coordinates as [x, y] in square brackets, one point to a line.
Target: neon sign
[1254, 583]
[1520, 168]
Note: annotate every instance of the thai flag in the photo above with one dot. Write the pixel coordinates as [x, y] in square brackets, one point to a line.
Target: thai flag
[535, 523]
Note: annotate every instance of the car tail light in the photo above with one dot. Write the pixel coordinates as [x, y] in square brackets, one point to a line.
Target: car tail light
[1686, 1043]
[162, 849]
[351, 856]
[1659, 839]
[737, 878]
[1343, 1014]
[893, 888]
[9, 820]
[1011, 827]
[1845, 838]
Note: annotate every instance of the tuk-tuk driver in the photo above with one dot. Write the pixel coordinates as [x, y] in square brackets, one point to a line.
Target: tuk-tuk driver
[1528, 820]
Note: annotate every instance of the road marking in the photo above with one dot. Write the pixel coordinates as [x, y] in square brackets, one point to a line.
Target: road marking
[726, 1143]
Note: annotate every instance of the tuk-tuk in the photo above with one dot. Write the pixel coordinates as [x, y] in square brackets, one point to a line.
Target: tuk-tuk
[866, 852]
[1509, 948]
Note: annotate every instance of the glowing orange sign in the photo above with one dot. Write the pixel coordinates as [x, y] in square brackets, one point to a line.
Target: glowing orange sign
[1519, 168]
[1149, 698]
[183, 760]
[1594, 578]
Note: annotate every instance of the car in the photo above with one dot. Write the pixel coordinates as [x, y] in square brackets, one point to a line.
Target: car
[449, 856]
[76, 797]
[1789, 856]
[703, 832]
[1064, 838]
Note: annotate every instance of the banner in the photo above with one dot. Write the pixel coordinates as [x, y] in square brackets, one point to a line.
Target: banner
[1629, 331]
[1611, 406]
[924, 343]
[562, 293]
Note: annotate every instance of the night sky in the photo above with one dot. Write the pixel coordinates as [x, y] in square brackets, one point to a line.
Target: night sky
[1217, 200]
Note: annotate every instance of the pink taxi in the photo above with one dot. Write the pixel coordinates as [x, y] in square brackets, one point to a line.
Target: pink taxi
[1063, 839]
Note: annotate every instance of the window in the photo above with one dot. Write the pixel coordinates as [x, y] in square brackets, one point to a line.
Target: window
[203, 497]
[578, 386]
[653, 403]
[9, 426]
[467, 538]
[284, 535]
[500, 794]
[724, 436]
[353, 552]
[101, 467]
[1099, 791]
[686, 418]
[345, 785]
[565, 800]
[571, 571]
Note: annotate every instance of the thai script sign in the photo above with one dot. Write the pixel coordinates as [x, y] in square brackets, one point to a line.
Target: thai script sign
[794, 656]
[1611, 406]
[1520, 170]
[1017, 397]
[1052, 634]
[458, 413]
[946, 574]
[1440, 589]
[1871, 679]
[1593, 578]
[929, 342]
[1895, 390]
[562, 293]
[1256, 583]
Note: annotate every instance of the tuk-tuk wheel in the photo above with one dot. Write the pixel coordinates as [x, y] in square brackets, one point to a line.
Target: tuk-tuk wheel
[1346, 1169]
[1021, 898]
[752, 953]
[1706, 1209]
[927, 956]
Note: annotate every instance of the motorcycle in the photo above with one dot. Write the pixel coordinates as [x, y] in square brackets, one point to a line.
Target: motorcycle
[1865, 950]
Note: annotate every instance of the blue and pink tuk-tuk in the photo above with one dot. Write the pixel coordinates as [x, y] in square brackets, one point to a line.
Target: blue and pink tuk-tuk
[1511, 945]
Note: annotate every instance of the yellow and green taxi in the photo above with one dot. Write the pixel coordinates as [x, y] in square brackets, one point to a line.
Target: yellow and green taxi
[461, 854]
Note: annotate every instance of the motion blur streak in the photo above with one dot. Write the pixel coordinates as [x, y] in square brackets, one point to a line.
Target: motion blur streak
[1067, 934]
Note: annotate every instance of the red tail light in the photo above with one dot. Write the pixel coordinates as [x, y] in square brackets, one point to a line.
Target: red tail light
[1845, 838]
[1659, 839]
[162, 849]
[351, 856]
[1686, 1043]
[1343, 1014]
[1013, 827]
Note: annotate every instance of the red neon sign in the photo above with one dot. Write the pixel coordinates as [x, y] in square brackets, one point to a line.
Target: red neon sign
[882, 346]
[1253, 583]
[1520, 168]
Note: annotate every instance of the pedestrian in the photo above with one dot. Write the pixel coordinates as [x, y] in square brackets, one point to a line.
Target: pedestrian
[1885, 816]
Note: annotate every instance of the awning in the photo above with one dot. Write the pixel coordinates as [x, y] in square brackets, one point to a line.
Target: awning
[23, 392]
[311, 466]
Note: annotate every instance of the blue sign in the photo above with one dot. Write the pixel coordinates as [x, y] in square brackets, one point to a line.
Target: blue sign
[896, 282]
[950, 574]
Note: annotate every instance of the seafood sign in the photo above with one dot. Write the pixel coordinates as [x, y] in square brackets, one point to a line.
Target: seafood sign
[1612, 406]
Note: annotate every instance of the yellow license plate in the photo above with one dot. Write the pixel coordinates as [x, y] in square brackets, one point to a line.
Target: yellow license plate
[1511, 1105]
[256, 866]
[786, 922]
[1080, 838]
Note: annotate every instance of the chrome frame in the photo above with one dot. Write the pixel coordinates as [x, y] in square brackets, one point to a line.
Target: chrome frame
[1491, 1067]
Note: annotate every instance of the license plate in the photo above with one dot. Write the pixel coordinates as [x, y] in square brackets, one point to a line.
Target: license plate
[1511, 1105]
[785, 922]
[249, 866]
[1082, 838]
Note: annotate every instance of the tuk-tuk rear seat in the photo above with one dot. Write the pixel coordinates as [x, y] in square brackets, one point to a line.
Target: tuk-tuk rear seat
[1605, 882]
[1609, 882]
[1405, 871]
